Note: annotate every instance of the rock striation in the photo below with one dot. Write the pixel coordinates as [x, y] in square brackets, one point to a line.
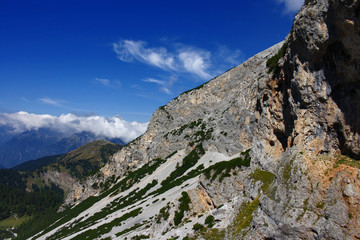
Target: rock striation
[294, 106]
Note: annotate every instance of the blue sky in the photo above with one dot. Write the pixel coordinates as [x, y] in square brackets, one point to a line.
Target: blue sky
[125, 58]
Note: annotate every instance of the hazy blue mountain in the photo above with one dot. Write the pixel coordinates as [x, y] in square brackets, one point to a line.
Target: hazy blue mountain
[43, 142]
[6, 133]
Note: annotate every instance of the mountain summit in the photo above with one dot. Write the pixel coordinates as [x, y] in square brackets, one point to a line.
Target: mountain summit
[266, 150]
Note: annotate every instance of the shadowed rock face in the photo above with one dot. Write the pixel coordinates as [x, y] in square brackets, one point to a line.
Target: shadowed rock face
[321, 75]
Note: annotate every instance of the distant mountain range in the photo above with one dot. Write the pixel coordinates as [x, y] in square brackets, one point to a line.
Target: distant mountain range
[34, 144]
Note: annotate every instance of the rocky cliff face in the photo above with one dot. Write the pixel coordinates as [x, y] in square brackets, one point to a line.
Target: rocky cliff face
[321, 75]
[293, 106]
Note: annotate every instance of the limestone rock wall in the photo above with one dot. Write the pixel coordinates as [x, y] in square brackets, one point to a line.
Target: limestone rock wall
[296, 119]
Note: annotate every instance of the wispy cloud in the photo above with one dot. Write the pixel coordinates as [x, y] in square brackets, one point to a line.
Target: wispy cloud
[108, 83]
[152, 80]
[179, 60]
[70, 123]
[103, 81]
[128, 50]
[164, 86]
[291, 6]
[191, 60]
[47, 100]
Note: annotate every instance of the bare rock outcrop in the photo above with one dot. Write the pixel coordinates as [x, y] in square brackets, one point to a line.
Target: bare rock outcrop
[296, 105]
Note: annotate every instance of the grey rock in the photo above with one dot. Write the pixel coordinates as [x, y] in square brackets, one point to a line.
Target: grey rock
[296, 120]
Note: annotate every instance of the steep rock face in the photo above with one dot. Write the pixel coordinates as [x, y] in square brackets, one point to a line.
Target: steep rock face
[321, 78]
[222, 115]
[297, 118]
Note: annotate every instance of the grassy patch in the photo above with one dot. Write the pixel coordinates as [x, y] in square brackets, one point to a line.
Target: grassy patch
[346, 161]
[287, 169]
[213, 234]
[183, 207]
[265, 177]
[217, 169]
[13, 221]
[244, 217]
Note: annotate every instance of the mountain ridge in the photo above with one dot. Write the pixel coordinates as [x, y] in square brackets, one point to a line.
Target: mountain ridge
[43, 142]
[259, 152]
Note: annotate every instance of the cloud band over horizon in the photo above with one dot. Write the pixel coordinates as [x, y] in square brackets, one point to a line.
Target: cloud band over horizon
[113, 127]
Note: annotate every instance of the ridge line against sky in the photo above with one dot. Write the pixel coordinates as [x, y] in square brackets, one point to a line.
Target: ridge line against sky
[105, 59]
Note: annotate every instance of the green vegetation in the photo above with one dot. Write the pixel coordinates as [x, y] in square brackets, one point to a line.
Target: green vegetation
[25, 195]
[215, 170]
[134, 176]
[118, 204]
[210, 221]
[17, 201]
[243, 220]
[139, 237]
[287, 169]
[163, 214]
[4, 234]
[103, 229]
[183, 207]
[272, 63]
[320, 205]
[36, 223]
[191, 125]
[81, 162]
[88, 159]
[240, 225]
[198, 226]
[265, 177]
[213, 234]
[126, 183]
[347, 161]
[13, 221]
[188, 162]
[136, 226]
[201, 132]
[177, 182]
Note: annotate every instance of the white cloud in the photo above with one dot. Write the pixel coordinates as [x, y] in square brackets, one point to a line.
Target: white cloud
[46, 100]
[128, 50]
[165, 90]
[164, 85]
[70, 123]
[152, 80]
[190, 60]
[196, 62]
[292, 6]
